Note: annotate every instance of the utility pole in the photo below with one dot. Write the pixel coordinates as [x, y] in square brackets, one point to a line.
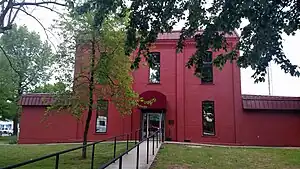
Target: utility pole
[269, 73]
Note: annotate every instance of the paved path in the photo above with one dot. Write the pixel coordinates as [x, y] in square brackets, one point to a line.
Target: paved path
[129, 161]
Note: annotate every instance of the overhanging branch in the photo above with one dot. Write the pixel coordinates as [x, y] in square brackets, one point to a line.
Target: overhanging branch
[38, 3]
[9, 61]
[40, 23]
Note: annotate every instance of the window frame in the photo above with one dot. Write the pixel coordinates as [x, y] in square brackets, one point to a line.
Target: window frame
[149, 70]
[97, 115]
[205, 102]
[208, 65]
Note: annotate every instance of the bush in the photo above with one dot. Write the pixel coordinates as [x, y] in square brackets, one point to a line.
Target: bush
[13, 141]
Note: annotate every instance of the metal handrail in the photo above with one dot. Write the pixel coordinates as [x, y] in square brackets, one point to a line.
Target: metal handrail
[136, 146]
[73, 149]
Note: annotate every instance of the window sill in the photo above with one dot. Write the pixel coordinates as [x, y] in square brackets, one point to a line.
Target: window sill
[154, 84]
[100, 133]
[207, 83]
[209, 135]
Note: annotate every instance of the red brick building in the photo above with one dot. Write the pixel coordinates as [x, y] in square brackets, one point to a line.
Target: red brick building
[207, 110]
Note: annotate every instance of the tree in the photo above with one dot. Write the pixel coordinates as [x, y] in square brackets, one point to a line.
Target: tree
[10, 9]
[260, 40]
[58, 87]
[102, 70]
[28, 59]
[7, 86]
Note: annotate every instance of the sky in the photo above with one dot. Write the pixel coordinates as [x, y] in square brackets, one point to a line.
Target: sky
[281, 84]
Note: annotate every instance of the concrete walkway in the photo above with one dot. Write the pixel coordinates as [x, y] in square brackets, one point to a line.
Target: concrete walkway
[129, 161]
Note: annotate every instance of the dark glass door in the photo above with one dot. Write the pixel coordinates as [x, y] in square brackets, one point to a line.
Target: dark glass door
[151, 122]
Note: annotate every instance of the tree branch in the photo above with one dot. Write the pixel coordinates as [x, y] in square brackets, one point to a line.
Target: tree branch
[111, 80]
[13, 19]
[9, 61]
[2, 2]
[38, 3]
[45, 30]
[29, 81]
[82, 76]
[2, 16]
[51, 9]
[10, 13]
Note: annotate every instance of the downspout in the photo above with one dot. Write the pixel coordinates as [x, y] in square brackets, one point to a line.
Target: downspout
[234, 105]
[131, 127]
[176, 109]
[184, 91]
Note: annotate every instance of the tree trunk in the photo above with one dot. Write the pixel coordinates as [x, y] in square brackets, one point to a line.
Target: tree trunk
[91, 100]
[15, 124]
[17, 115]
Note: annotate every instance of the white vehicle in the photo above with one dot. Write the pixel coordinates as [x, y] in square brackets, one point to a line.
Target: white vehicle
[6, 128]
[6, 131]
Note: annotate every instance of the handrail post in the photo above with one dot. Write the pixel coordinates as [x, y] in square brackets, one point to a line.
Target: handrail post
[115, 147]
[157, 139]
[93, 156]
[140, 135]
[137, 156]
[56, 161]
[127, 144]
[162, 136]
[159, 135]
[120, 163]
[153, 141]
[135, 137]
[147, 150]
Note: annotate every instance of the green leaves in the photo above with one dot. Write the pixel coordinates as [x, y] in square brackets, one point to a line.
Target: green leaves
[101, 66]
[30, 58]
[55, 88]
[260, 41]
[25, 62]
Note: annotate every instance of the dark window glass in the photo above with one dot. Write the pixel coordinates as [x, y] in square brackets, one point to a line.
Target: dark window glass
[208, 118]
[154, 72]
[102, 115]
[207, 70]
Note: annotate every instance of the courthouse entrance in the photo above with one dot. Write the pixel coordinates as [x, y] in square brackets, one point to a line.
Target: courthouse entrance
[153, 116]
[151, 122]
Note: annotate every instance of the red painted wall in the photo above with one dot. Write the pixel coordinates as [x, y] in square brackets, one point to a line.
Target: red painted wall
[269, 128]
[35, 128]
[184, 93]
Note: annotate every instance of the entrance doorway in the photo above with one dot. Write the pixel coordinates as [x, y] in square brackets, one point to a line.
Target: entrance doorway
[151, 122]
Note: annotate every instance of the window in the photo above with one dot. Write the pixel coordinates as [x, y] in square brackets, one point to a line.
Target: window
[207, 70]
[208, 118]
[101, 119]
[154, 72]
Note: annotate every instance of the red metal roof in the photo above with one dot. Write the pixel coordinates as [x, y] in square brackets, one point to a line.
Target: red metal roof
[36, 99]
[260, 102]
[250, 102]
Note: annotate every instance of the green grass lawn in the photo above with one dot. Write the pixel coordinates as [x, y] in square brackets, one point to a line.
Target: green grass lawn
[186, 157]
[11, 154]
[7, 139]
